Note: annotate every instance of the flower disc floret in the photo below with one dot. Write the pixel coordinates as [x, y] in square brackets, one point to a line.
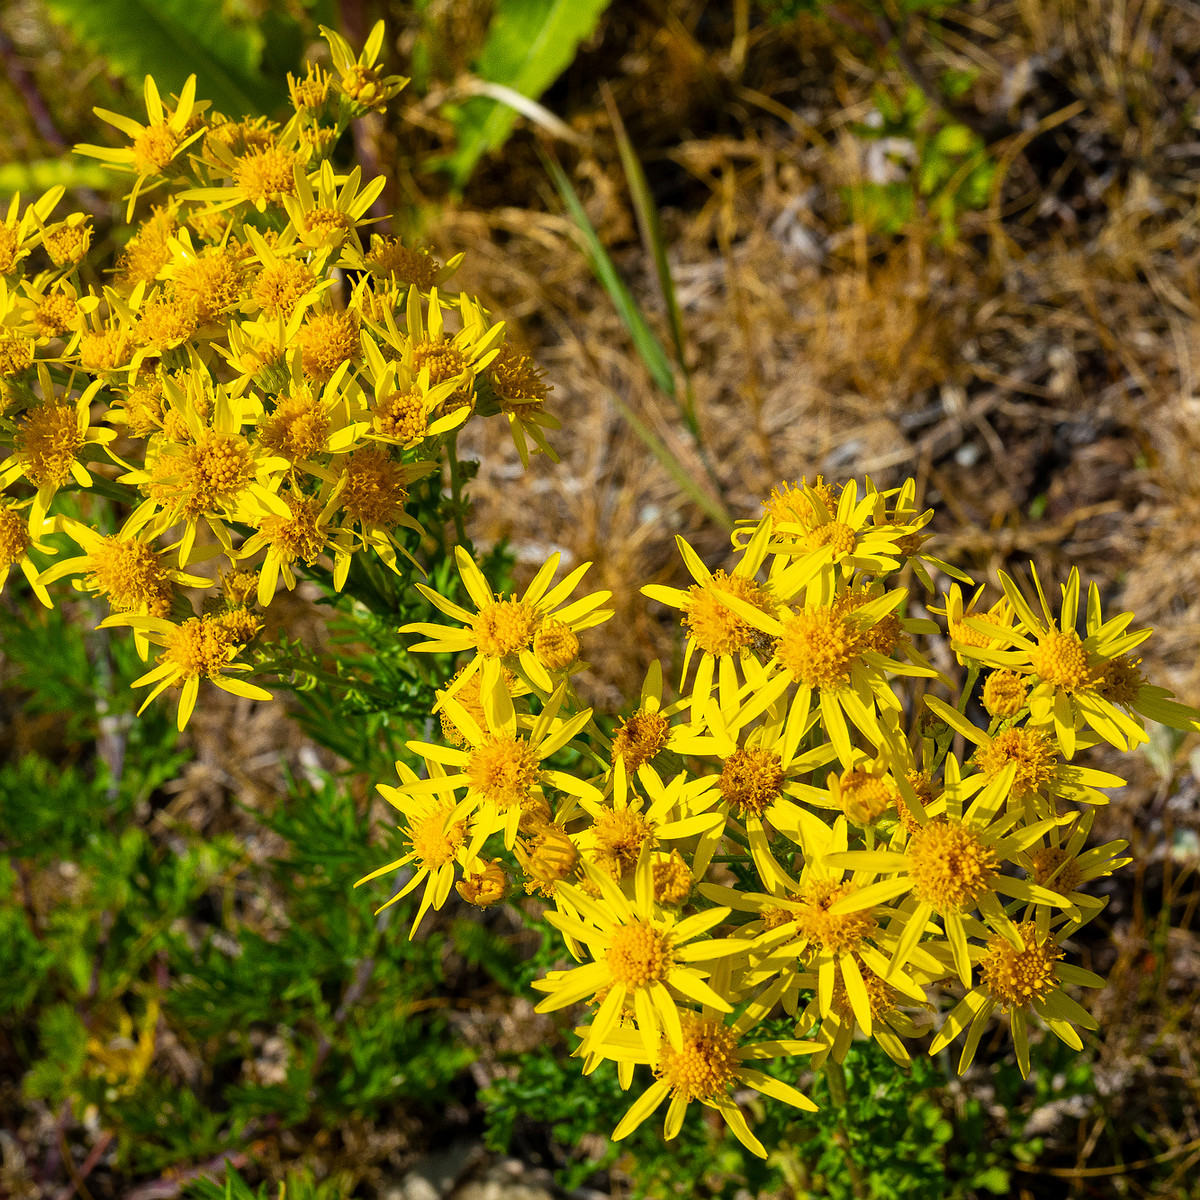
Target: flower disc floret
[1120, 680]
[433, 841]
[705, 1064]
[638, 954]
[266, 174]
[1030, 749]
[1017, 977]
[1059, 658]
[819, 647]
[716, 628]
[401, 415]
[1052, 859]
[1004, 693]
[280, 287]
[131, 575]
[556, 645]
[620, 835]
[751, 780]
[504, 627]
[210, 473]
[835, 934]
[503, 769]
[14, 538]
[639, 737]
[672, 880]
[950, 867]
[881, 997]
[48, 441]
[201, 646]
[154, 148]
[327, 340]
[298, 428]
[374, 493]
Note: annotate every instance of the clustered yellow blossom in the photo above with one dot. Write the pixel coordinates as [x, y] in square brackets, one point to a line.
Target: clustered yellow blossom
[255, 411]
[792, 834]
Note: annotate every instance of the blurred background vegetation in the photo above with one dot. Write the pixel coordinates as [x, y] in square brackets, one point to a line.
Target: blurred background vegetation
[748, 240]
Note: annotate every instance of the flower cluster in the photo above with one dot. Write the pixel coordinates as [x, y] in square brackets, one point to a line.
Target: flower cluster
[260, 382]
[794, 832]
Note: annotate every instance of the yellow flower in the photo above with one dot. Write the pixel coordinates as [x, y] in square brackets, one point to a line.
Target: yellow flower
[16, 541]
[51, 439]
[436, 834]
[199, 648]
[156, 145]
[20, 234]
[1020, 974]
[500, 767]
[325, 218]
[637, 955]
[359, 79]
[971, 629]
[1078, 681]
[520, 390]
[504, 628]
[711, 1062]
[952, 865]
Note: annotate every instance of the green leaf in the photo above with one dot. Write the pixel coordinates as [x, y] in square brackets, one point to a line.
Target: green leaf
[172, 39]
[529, 45]
[45, 173]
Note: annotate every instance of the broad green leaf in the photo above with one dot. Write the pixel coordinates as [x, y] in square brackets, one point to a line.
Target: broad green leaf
[32, 178]
[529, 45]
[171, 39]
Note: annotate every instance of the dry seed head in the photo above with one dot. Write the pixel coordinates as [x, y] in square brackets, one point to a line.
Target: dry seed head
[1030, 749]
[503, 770]
[949, 865]
[131, 575]
[819, 647]
[1016, 977]
[834, 934]
[48, 439]
[639, 737]
[715, 628]
[707, 1063]
[1060, 659]
[639, 955]
[504, 627]
[556, 645]
[1004, 693]
[751, 780]
[14, 537]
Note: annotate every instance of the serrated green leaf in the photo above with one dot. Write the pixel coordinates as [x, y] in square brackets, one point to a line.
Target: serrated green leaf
[529, 45]
[172, 39]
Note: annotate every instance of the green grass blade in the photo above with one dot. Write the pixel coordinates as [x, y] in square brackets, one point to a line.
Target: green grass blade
[649, 348]
[42, 174]
[682, 476]
[650, 228]
[529, 45]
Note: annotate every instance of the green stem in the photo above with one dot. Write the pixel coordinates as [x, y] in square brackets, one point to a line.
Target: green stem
[835, 1077]
[968, 687]
[456, 483]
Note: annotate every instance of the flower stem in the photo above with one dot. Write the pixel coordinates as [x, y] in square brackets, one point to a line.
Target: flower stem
[457, 501]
